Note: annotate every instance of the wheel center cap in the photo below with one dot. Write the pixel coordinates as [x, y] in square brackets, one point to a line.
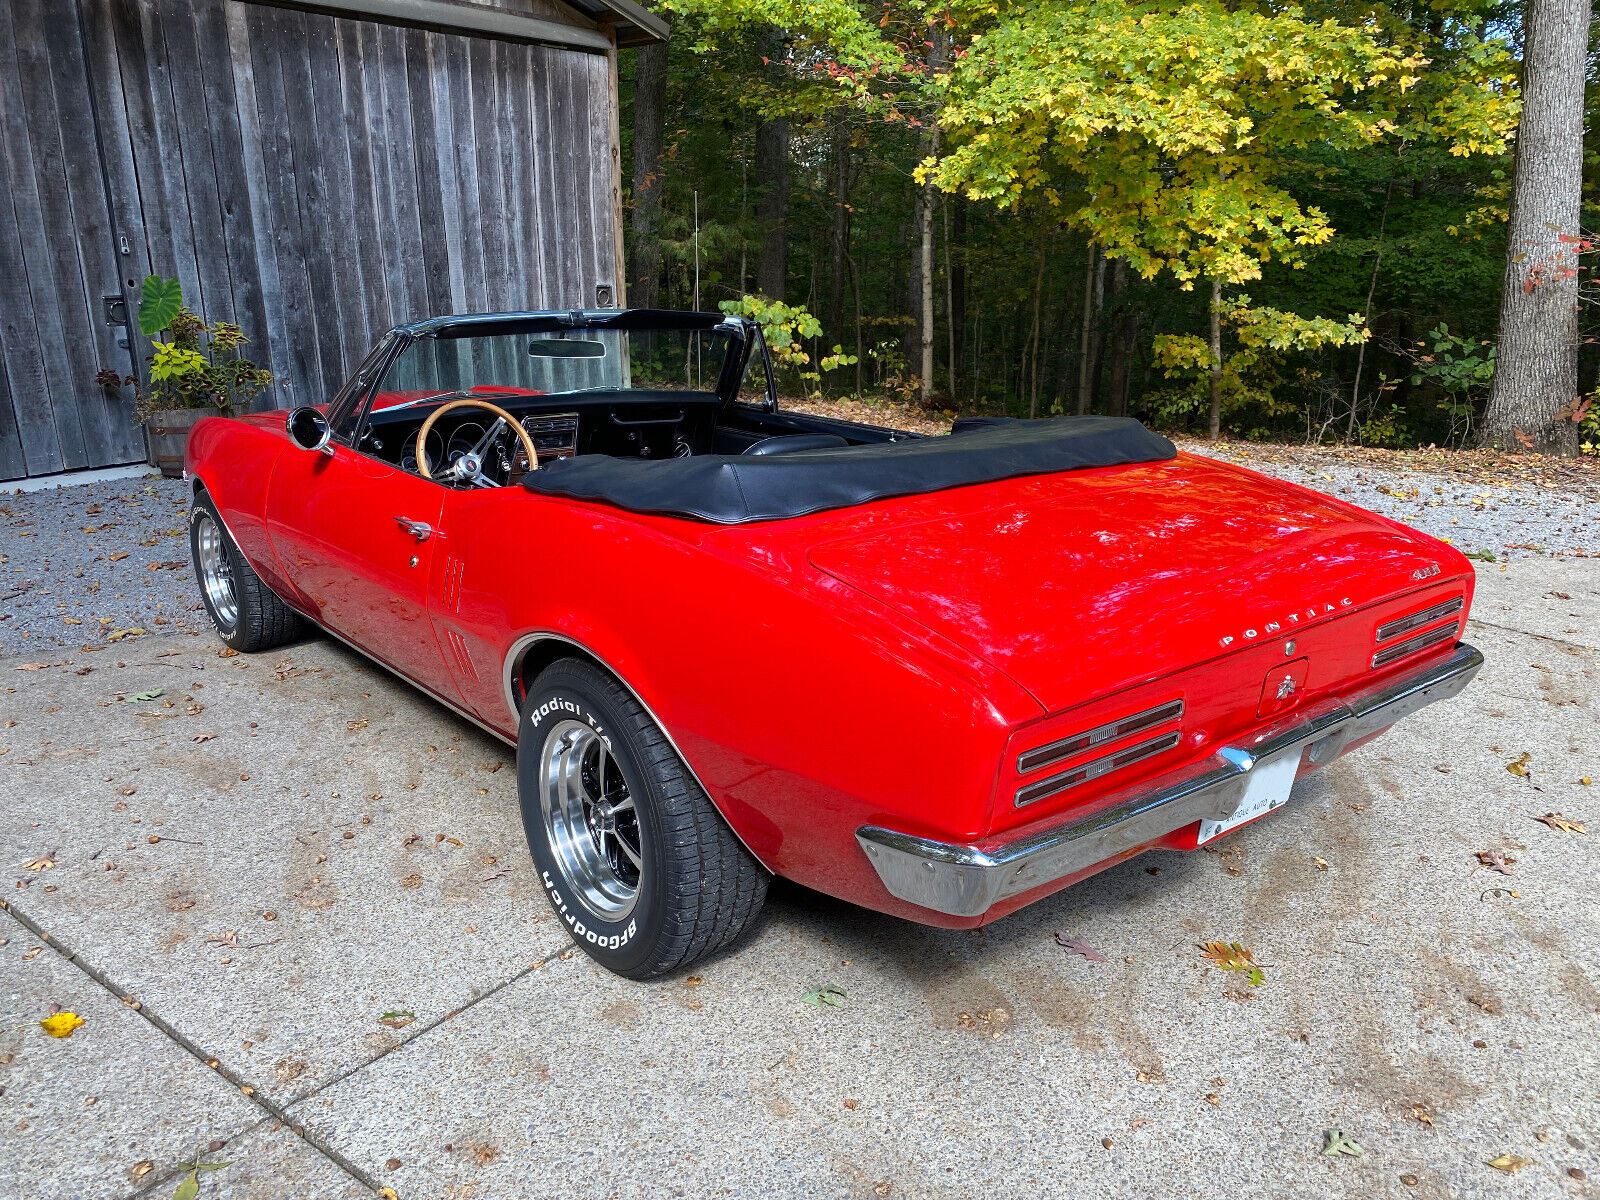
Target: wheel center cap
[605, 817]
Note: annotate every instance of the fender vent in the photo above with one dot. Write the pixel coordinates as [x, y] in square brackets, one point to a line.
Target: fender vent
[462, 656]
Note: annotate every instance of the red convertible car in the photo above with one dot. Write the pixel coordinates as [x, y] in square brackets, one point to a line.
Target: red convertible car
[941, 677]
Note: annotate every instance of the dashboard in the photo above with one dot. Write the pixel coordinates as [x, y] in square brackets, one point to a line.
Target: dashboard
[631, 424]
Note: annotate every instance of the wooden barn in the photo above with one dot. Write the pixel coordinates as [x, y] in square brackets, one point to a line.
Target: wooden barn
[315, 174]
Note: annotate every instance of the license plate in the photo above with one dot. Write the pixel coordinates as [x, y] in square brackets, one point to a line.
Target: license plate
[1267, 789]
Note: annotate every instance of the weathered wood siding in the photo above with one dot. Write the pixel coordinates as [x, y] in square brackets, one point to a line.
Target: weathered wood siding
[56, 256]
[315, 179]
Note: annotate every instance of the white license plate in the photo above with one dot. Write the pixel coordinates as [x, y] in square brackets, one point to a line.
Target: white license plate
[1267, 789]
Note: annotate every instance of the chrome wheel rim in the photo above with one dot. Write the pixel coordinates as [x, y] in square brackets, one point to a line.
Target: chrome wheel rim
[590, 820]
[216, 571]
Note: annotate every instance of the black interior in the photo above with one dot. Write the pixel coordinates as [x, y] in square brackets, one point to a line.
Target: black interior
[633, 423]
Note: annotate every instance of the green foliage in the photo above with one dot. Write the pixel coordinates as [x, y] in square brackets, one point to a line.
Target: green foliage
[785, 328]
[198, 366]
[159, 302]
[1340, 157]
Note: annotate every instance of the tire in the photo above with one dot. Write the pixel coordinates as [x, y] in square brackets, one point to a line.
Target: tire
[643, 896]
[247, 614]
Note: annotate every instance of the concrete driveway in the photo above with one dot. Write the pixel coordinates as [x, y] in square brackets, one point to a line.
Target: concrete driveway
[291, 900]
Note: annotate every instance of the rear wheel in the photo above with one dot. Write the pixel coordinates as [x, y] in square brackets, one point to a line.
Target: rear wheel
[632, 855]
[246, 612]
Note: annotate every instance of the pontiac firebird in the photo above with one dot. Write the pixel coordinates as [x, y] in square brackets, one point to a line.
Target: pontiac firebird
[941, 677]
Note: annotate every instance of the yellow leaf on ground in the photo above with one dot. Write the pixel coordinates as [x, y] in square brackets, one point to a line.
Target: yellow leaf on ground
[61, 1024]
[1510, 1163]
[1520, 767]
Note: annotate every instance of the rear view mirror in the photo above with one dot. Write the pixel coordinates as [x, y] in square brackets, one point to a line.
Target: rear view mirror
[308, 428]
[565, 348]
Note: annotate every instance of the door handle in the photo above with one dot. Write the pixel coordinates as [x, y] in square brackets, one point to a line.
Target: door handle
[420, 530]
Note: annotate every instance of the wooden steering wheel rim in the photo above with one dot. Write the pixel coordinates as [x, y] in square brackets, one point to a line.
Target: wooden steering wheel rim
[469, 402]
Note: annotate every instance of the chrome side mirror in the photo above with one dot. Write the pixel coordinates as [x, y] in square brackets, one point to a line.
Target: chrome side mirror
[308, 428]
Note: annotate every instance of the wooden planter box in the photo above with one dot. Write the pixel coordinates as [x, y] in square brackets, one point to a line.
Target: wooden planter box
[168, 433]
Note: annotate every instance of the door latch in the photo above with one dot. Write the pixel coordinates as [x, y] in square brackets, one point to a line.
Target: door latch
[420, 530]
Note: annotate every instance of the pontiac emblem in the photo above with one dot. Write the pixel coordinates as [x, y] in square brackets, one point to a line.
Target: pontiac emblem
[1310, 613]
[1286, 687]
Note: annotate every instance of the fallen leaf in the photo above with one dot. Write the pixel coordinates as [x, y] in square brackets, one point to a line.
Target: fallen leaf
[1078, 946]
[1510, 1163]
[152, 694]
[227, 652]
[1336, 1142]
[119, 634]
[852, 1104]
[118, 557]
[361, 724]
[1496, 860]
[829, 994]
[188, 1187]
[32, 666]
[1520, 767]
[398, 1019]
[203, 737]
[394, 1164]
[141, 1168]
[1322, 863]
[1566, 824]
[61, 1024]
[1422, 1114]
[227, 938]
[386, 1193]
[43, 863]
[1231, 956]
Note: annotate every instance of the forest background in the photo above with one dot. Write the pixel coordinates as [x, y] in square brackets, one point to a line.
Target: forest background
[1276, 222]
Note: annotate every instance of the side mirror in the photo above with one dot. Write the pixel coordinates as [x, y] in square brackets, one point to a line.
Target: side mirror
[308, 428]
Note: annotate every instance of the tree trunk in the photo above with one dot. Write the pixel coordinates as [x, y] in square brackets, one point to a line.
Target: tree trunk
[841, 227]
[1124, 337]
[1536, 369]
[649, 136]
[925, 309]
[1366, 319]
[949, 307]
[1033, 337]
[957, 271]
[1094, 274]
[772, 207]
[1214, 427]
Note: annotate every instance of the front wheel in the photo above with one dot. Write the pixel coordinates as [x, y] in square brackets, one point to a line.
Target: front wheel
[632, 855]
[247, 613]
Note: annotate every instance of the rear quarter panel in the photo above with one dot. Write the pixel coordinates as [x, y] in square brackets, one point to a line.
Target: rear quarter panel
[805, 709]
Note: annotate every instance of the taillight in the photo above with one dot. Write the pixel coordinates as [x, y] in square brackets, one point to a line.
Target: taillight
[1063, 750]
[1401, 626]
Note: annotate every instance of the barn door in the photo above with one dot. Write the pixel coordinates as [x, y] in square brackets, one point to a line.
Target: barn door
[59, 257]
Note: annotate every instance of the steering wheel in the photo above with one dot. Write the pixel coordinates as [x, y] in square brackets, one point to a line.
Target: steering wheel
[469, 467]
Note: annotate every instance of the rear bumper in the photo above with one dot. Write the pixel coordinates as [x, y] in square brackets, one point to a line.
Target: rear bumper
[967, 879]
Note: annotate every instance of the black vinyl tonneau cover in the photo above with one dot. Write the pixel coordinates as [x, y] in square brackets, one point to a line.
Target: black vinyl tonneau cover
[735, 489]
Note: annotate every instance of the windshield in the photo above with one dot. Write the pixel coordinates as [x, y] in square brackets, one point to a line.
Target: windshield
[560, 362]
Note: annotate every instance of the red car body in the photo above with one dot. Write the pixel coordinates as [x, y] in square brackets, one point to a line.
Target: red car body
[887, 666]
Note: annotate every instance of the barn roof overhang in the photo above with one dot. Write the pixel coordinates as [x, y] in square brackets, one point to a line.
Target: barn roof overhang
[632, 24]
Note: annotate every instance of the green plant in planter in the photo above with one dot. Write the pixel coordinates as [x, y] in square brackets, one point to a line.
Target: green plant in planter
[196, 365]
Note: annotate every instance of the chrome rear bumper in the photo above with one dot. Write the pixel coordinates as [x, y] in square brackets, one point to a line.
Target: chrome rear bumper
[966, 880]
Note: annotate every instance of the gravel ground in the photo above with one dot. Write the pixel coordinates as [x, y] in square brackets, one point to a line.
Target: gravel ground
[80, 565]
[1483, 515]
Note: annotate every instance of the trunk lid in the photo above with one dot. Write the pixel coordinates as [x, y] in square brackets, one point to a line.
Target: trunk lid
[1080, 584]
